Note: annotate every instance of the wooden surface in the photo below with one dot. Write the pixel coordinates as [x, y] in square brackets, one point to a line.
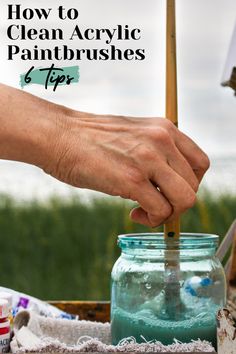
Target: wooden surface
[87, 310]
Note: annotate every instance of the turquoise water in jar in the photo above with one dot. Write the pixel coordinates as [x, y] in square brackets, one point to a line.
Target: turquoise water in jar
[160, 294]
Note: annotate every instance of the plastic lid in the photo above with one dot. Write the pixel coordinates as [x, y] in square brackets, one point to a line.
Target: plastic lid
[7, 296]
[4, 308]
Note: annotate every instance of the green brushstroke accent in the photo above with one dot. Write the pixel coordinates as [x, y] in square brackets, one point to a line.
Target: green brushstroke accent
[39, 77]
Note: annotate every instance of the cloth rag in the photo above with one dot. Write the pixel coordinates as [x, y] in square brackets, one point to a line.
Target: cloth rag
[34, 333]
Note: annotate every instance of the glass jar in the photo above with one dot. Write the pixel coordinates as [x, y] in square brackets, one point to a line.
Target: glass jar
[165, 293]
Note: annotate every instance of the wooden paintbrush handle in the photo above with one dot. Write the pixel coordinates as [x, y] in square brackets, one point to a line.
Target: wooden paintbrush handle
[171, 230]
[171, 65]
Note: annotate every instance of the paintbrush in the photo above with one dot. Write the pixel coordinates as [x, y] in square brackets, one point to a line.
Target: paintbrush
[173, 302]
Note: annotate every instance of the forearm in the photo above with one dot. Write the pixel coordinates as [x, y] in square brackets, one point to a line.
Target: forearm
[28, 126]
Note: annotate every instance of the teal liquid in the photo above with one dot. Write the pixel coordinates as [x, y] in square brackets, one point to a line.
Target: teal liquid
[145, 323]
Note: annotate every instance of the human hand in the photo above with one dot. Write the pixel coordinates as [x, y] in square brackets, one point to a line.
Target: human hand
[147, 160]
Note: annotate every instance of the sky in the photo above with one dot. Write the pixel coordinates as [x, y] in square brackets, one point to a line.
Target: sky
[207, 111]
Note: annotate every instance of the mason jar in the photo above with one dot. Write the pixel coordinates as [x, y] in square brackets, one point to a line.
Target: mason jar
[166, 290]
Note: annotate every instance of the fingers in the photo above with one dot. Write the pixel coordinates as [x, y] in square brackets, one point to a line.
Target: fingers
[171, 155]
[175, 188]
[194, 155]
[181, 166]
[172, 173]
[140, 216]
[176, 165]
[157, 207]
[154, 207]
[197, 159]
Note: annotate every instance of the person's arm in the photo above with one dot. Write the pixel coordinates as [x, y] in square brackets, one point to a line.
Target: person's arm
[147, 160]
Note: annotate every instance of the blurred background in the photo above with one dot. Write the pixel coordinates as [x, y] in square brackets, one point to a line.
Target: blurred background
[59, 242]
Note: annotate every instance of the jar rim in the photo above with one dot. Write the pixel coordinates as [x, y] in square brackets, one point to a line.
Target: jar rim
[157, 241]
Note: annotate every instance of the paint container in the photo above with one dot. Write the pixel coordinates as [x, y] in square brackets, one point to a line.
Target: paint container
[7, 296]
[5, 330]
[141, 276]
